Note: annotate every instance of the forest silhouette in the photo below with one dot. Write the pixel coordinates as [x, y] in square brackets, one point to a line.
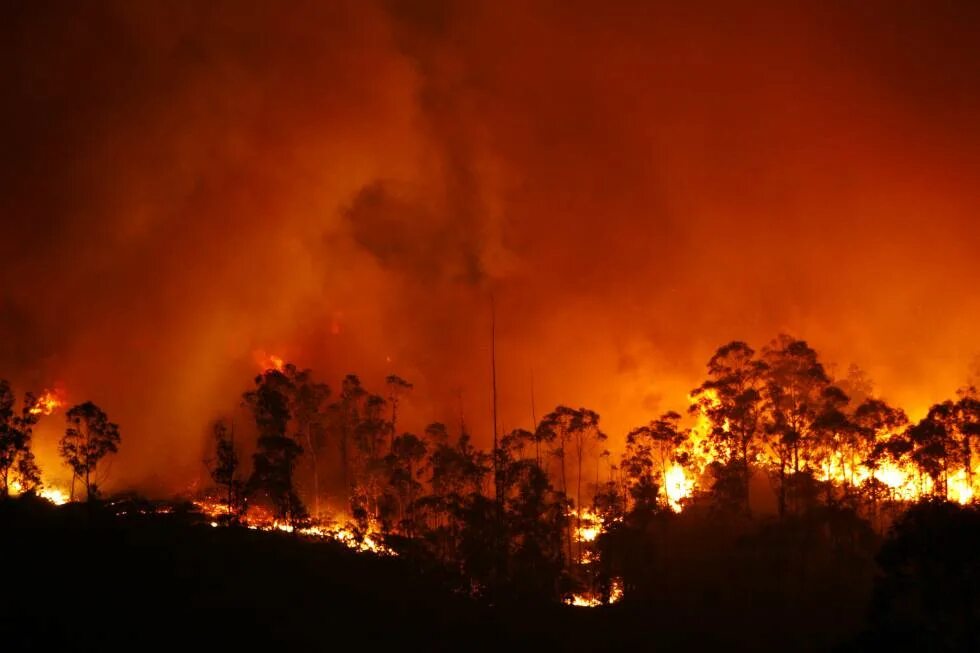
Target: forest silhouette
[775, 499]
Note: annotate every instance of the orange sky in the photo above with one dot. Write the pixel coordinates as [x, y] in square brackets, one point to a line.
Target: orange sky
[183, 184]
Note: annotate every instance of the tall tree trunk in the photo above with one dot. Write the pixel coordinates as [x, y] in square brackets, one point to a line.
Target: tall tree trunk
[564, 490]
[578, 502]
[782, 489]
[316, 473]
[746, 475]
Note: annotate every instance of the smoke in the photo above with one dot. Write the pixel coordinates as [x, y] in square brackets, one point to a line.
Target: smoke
[347, 185]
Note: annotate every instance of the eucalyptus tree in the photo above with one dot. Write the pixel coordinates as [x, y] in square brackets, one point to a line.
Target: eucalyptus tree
[88, 438]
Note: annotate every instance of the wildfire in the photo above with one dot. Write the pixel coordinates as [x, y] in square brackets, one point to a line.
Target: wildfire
[48, 402]
[590, 600]
[591, 525]
[678, 486]
[54, 495]
[258, 519]
[903, 480]
[268, 362]
[51, 494]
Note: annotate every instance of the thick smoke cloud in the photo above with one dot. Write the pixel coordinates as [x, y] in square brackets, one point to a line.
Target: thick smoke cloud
[347, 184]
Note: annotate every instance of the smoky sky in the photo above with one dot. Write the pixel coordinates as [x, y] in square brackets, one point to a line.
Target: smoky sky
[347, 184]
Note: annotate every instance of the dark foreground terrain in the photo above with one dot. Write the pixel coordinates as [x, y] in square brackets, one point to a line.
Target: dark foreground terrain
[83, 578]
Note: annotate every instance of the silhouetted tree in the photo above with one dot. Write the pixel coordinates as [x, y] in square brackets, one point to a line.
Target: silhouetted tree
[878, 429]
[90, 436]
[274, 460]
[308, 410]
[660, 440]
[837, 444]
[795, 383]
[16, 458]
[346, 412]
[585, 437]
[368, 467]
[732, 400]
[223, 468]
[397, 387]
[535, 517]
[559, 427]
[966, 417]
[407, 452]
[456, 472]
[933, 446]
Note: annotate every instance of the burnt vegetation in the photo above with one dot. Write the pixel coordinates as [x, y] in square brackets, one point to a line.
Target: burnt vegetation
[788, 510]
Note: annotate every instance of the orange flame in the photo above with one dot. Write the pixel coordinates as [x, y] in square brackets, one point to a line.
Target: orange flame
[268, 362]
[48, 402]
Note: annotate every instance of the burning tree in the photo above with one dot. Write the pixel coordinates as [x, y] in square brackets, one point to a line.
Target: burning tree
[876, 423]
[732, 401]
[90, 436]
[658, 444]
[796, 381]
[579, 428]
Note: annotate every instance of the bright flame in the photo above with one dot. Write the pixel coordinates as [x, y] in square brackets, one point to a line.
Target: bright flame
[258, 519]
[51, 494]
[268, 362]
[54, 495]
[590, 600]
[591, 525]
[678, 486]
[958, 488]
[48, 402]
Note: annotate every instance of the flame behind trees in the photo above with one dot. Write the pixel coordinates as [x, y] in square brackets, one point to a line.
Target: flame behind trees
[17, 462]
[47, 403]
[580, 428]
[655, 445]
[732, 402]
[777, 413]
